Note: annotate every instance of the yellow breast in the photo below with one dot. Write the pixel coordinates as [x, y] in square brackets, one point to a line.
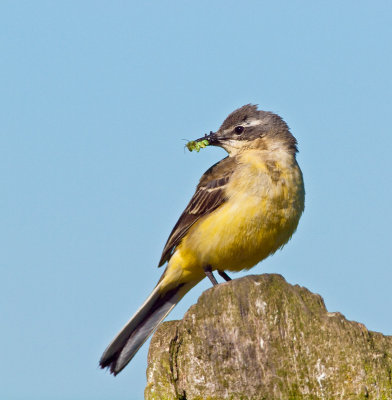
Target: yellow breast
[265, 201]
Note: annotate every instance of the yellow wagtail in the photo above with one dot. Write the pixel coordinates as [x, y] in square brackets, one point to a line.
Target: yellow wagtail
[245, 208]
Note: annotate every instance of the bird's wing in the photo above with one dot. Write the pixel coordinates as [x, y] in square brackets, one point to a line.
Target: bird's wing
[209, 195]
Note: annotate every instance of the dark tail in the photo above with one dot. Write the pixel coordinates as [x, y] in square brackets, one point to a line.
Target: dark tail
[125, 345]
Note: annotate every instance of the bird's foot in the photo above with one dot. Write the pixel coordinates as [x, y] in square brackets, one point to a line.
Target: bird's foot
[211, 277]
[224, 275]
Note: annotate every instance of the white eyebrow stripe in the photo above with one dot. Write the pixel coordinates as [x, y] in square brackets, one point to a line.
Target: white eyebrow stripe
[252, 122]
[247, 124]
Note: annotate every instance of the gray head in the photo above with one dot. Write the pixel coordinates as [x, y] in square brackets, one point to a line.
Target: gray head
[250, 128]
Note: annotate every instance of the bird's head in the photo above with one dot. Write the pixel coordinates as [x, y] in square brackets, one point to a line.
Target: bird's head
[250, 128]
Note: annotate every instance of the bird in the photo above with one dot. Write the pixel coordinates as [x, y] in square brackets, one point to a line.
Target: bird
[245, 208]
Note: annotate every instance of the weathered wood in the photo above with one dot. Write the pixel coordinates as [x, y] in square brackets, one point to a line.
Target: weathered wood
[261, 338]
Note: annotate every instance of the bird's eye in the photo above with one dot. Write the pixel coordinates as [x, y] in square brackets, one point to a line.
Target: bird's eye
[239, 129]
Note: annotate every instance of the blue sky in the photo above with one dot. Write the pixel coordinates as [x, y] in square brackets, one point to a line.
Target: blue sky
[96, 99]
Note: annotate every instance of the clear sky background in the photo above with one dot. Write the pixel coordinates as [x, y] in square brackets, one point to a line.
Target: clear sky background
[96, 98]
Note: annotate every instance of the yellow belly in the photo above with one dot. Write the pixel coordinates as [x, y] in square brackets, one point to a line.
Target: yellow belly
[260, 216]
[234, 239]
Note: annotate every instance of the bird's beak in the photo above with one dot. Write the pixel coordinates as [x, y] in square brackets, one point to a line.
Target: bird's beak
[211, 137]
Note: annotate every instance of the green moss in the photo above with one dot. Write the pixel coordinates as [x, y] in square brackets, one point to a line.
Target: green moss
[221, 348]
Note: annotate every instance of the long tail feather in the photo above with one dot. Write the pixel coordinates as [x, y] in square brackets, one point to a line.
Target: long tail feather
[125, 345]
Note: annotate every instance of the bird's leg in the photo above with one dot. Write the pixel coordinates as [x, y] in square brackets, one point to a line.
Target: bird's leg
[224, 275]
[211, 277]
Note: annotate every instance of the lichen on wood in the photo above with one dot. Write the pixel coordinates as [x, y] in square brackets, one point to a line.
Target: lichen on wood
[259, 337]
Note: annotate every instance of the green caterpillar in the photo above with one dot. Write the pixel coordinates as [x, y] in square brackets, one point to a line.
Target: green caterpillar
[193, 145]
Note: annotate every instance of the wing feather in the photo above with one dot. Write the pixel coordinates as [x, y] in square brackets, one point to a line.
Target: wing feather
[209, 195]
